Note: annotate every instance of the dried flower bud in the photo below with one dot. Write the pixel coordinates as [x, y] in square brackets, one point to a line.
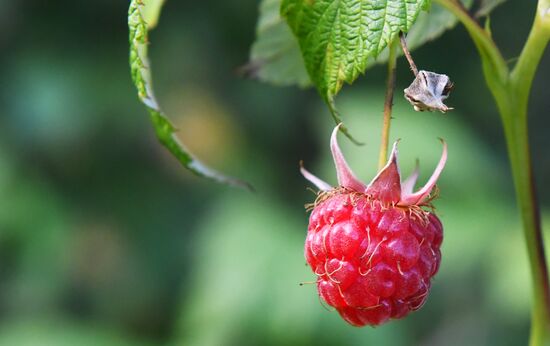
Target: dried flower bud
[428, 90]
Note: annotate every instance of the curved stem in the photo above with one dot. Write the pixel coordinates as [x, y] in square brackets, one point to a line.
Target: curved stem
[511, 93]
[514, 116]
[523, 73]
[517, 140]
[388, 104]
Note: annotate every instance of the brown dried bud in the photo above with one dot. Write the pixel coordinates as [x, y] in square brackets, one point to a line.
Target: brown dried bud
[428, 90]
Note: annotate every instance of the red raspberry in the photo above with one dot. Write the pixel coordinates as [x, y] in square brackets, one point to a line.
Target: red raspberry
[374, 248]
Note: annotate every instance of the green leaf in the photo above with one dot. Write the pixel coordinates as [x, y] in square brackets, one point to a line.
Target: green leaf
[141, 75]
[337, 37]
[428, 27]
[275, 56]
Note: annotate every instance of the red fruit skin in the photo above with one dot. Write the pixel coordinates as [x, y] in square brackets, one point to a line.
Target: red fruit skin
[374, 262]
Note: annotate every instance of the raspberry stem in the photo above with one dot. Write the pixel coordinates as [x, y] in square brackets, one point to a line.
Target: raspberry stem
[407, 53]
[511, 92]
[388, 104]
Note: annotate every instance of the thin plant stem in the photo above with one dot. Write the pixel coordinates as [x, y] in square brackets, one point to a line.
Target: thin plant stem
[407, 53]
[388, 104]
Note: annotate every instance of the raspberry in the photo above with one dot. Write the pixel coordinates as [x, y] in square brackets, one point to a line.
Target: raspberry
[373, 261]
[374, 248]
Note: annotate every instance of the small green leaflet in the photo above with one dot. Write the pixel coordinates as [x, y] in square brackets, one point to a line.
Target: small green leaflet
[337, 37]
[141, 75]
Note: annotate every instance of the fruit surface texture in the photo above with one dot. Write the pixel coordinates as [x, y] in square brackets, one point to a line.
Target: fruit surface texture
[373, 261]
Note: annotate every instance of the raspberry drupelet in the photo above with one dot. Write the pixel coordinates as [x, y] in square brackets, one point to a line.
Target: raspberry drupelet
[376, 247]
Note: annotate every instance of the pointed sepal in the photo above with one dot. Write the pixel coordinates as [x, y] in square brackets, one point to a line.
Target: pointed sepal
[345, 175]
[407, 186]
[320, 184]
[422, 195]
[386, 186]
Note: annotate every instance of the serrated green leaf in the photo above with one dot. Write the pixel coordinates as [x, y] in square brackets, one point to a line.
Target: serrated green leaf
[337, 37]
[428, 27]
[275, 56]
[141, 75]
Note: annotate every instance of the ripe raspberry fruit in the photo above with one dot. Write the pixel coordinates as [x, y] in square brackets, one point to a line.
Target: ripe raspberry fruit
[375, 247]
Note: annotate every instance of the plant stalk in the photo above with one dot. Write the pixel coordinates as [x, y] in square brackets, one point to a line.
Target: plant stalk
[388, 103]
[514, 111]
[511, 92]
[517, 140]
[521, 78]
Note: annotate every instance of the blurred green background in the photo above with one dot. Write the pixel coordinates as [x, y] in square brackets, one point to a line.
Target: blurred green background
[106, 240]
